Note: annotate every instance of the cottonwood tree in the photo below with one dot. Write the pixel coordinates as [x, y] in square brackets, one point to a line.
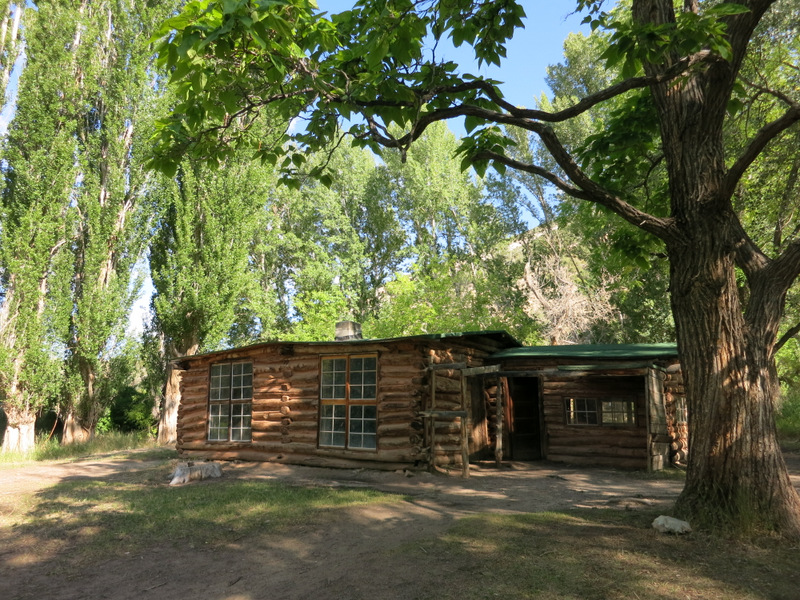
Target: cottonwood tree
[682, 62]
[605, 281]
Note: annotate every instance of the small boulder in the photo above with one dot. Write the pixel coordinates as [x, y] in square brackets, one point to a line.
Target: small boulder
[665, 524]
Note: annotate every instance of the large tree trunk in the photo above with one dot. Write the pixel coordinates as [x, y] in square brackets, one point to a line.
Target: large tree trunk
[20, 435]
[74, 430]
[726, 335]
[168, 419]
[736, 475]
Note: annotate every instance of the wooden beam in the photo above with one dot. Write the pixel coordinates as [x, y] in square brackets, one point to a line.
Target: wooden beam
[465, 427]
[447, 366]
[480, 370]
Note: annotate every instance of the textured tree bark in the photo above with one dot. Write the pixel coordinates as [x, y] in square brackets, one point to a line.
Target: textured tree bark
[168, 419]
[19, 434]
[74, 430]
[736, 475]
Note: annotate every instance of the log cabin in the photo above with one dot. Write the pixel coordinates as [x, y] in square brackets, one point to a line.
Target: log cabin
[428, 401]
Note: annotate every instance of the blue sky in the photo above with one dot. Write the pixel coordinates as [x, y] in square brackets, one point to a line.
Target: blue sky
[529, 53]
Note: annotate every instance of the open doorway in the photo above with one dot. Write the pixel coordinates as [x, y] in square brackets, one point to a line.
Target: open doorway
[524, 413]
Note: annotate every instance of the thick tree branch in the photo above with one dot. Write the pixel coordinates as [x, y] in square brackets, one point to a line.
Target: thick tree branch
[764, 135]
[491, 92]
[789, 334]
[785, 269]
[584, 187]
[656, 226]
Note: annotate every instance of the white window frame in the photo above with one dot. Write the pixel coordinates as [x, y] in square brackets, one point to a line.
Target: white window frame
[230, 402]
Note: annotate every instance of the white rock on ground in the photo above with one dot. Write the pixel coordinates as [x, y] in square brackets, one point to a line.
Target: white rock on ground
[190, 472]
[666, 524]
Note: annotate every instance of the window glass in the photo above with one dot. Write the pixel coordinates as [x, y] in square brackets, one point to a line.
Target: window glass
[595, 411]
[581, 411]
[618, 412]
[229, 421]
[332, 425]
[363, 426]
[348, 391]
[218, 422]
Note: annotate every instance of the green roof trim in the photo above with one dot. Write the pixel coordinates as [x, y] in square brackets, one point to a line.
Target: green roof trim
[593, 351]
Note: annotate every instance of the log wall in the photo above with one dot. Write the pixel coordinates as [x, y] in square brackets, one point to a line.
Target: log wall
[443, 437]
[285, 405]
[417, 375]
[621, 446]
[677, 426]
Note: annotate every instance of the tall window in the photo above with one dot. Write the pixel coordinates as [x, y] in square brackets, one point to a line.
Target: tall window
[348, 398]
[230, 402]
[595, 411]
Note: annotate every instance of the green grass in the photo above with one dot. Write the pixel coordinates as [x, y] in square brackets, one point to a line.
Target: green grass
[101, 444]
[86, 520]
[604, 555]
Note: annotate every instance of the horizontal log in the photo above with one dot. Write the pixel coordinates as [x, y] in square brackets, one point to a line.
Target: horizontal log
[195, 420]
[576, 432]
[192, 411]
[399, 429]
[405, 385]
[398, 443]
[448, 385]
[404, 417]
[388, 367]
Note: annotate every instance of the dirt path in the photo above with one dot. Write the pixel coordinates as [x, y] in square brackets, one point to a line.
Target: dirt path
[357, 556]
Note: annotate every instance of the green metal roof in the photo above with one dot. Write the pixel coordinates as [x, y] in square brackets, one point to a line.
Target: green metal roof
[593, 351]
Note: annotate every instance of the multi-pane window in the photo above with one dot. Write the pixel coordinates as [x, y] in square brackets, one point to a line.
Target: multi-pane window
[594, 411]
[618, 412]
[681, 414]
[230, 402]
[581, 411]
[348, 411]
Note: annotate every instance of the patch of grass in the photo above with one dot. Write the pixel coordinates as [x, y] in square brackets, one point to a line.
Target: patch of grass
[606, 555]
[85, 520]
[112, 442]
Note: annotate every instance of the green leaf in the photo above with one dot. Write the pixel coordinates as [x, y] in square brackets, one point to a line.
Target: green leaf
[727, 9]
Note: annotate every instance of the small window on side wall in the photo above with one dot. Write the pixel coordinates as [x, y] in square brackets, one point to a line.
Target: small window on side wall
[596, 411]
[230, 402]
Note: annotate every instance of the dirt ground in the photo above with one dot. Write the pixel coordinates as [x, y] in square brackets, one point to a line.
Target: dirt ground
[357, 556]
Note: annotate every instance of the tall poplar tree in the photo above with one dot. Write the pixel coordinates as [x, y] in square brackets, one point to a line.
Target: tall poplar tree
[39, 174]
[114, 108]
[200, 264]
